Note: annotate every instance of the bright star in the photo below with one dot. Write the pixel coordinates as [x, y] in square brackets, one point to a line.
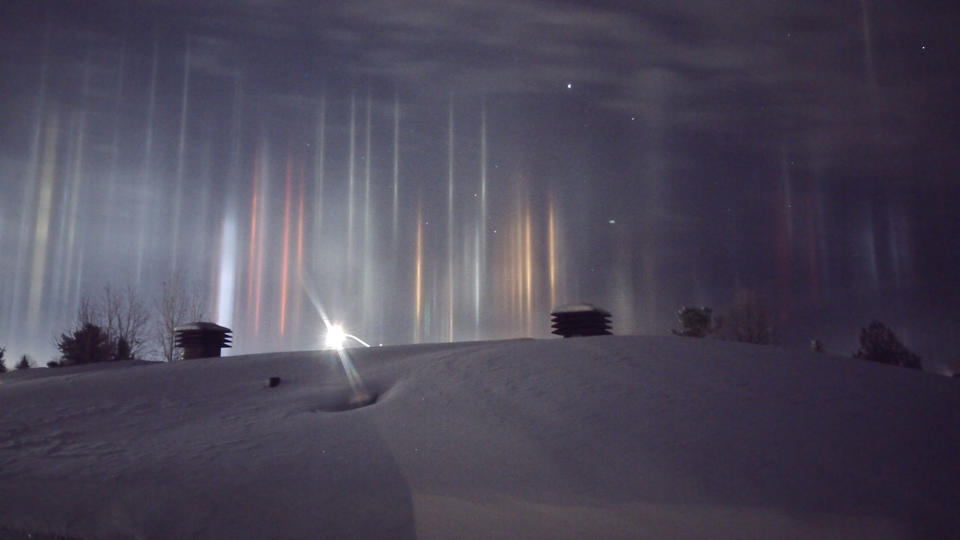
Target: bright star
[569, 86]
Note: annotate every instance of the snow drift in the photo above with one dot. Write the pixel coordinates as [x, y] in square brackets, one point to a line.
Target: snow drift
[588, 437]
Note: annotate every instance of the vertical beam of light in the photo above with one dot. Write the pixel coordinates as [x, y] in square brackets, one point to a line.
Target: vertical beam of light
[73, 208]
[42, 228]
[30, 186]
[418, 278]
[58, 264]
[528, 263]
[298, 299]
[252, 248]
[477, 239]
[258, 234]
[350, 190]
[70, 210]
[396, 165]
[63, 250]
[367, 264]
[285, 258]
[516, 259]
[147, 160]
[653, 191]
[319, 168]
[450, 218]
[181, 158]
[262, 230]
[201, 210]
[78, 279]
[480, 262]
[227, 278]
[367, 127]
[552, 252]
[115, 142]
[234, 175]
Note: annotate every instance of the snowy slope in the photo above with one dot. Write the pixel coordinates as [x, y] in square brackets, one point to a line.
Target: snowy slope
[589, 437]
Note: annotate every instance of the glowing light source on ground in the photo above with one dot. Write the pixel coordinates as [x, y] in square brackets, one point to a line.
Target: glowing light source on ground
[335, 337]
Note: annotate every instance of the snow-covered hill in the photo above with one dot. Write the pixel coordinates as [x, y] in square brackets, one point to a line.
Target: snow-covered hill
[589, 437]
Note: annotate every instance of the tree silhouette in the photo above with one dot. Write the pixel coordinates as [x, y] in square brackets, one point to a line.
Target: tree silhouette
[86, 345]
[121, 350]
[178, 304]
[126, 319]
[696, 322]
[879, 344]
[24, 362]
[3, 367]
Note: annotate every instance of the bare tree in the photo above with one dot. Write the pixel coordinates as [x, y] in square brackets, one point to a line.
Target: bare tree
[179, 303]
[126, 320]
[87, 313]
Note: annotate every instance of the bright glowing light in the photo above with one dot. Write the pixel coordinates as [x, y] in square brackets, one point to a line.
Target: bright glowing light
[335, 337]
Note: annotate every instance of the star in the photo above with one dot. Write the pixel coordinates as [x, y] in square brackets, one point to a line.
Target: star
[569, 86]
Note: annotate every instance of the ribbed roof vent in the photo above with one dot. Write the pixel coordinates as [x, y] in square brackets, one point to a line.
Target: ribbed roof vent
[201, 339]
[580, 320]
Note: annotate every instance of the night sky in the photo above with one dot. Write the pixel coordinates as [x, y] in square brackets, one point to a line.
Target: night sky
[431, 171]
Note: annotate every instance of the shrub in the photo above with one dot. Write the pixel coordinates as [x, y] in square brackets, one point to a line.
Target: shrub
[879, 344]
[696, 322]
[86, 345]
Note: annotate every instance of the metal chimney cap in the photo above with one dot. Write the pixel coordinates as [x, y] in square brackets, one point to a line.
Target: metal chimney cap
[201, 327]
[581, 319]
[582, 307]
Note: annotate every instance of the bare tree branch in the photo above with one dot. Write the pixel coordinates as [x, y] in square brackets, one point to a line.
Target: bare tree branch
[179, 303]
[126, 318]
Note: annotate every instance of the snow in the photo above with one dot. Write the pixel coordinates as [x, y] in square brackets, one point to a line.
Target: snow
[565, 438]
[577, 308]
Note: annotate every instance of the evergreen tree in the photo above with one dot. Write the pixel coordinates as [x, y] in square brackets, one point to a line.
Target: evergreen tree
[86, 345]
[24, 362]
[3, 367]
[879, 344]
